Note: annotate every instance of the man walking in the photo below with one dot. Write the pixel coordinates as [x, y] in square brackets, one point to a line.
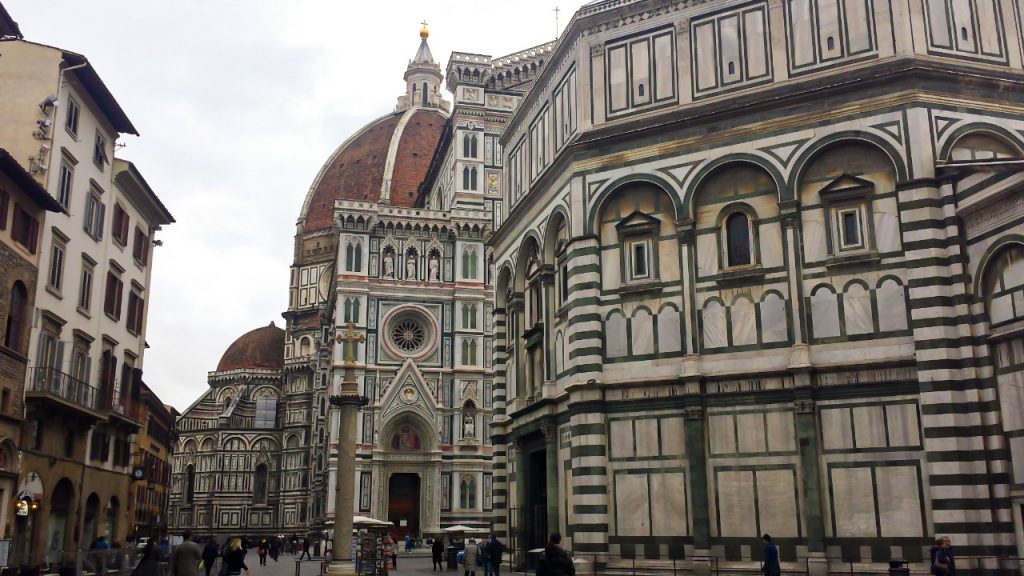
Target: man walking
[186, 556]
[305, 548]
[493, 551]
[770, 567]
[944, 563]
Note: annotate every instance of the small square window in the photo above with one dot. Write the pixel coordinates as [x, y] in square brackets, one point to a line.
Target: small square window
[848, 226]
[639, 260]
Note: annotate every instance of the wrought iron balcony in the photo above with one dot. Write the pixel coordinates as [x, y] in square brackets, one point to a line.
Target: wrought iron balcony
[50, 382]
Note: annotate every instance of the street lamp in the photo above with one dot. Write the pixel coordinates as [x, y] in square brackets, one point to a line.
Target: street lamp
[348, 402]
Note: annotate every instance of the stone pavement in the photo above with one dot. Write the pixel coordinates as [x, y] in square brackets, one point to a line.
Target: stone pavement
[415, 562]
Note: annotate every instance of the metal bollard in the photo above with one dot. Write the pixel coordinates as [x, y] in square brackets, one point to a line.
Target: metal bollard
[298, 567]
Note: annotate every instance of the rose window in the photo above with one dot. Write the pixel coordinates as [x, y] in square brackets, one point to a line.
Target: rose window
[408, 335]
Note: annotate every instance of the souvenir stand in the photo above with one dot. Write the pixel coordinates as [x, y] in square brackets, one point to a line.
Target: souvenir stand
[372, 555]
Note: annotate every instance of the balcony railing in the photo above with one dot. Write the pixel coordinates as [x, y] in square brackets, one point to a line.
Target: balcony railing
[56, 383]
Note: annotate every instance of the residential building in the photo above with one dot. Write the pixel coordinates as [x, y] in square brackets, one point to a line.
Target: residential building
[82, 394]
[151, 462]
[23, 204]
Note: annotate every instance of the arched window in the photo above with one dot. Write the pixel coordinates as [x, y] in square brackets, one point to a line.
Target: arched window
[320, 435]
[260, 485]
[467, 492]
[737, 240]
[190, 484]
[472, 147]
[472, 178]
[465, 145]
[469, 263]
[465, 178]
[349, 257]
[16, 316]
[424, 93]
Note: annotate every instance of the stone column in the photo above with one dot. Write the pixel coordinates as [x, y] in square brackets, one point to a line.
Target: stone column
[696, 456]
[807, 440]
[551, 464]
[520, 512]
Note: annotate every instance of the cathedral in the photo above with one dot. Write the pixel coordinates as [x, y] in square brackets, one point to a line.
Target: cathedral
[692, 273]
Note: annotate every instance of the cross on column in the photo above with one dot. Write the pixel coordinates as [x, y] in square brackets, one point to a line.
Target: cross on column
[352, 339]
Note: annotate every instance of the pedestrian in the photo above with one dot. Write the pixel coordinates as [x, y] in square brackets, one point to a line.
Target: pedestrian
[210, 554]
[470, 558]
[390, 552]
[275, 548]
[294, 545]
[555, 561]
[944, 563]
[305, 549]
[408, 542]
[234, 558]
[186, 557]
[494, 550]
[149, 564]
[770, 565]
[262, 549]
[931, 556]
[437, 554]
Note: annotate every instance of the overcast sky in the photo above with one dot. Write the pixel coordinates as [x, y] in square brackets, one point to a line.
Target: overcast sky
[238, 104]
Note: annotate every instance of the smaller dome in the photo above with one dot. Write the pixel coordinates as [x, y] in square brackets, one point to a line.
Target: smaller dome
[424, 32]
[262, 348]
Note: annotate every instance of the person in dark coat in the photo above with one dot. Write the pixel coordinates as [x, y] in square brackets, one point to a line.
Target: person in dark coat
[437, 554]
[305, 549]
[234, 558]
[770, 567]
[555, 561]
[149, 564]
[210, 554]
[493, 551]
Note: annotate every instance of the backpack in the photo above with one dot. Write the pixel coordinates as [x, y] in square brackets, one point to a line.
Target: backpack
[460, 556]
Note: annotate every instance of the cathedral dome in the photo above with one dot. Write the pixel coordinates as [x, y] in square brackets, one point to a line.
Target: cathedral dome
[384, 162]
[262, 348]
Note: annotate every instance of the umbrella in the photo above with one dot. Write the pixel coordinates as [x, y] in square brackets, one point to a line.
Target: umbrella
[459, 528]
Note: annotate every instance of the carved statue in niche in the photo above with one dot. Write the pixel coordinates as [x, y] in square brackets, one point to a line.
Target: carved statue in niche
[389, 264]
[468, 427]
[410, 267]
[435, 273]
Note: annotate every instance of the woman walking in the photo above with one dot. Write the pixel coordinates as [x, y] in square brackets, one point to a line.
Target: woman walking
[263, 548]
[437, 552]
[234, 558]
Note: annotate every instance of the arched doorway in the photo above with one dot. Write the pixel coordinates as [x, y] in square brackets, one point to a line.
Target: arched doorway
[59, 522]
[113, 509]
[92, 510]
[409, 475]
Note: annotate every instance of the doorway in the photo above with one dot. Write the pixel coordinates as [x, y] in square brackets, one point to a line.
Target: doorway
[404, 505]
[536, 499]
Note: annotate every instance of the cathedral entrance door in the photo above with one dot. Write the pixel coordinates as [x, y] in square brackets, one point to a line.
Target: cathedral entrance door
[536, 500]
[404, 505]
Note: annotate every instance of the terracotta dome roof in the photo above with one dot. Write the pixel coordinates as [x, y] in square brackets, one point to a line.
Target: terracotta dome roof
[392, 151]
[262, 348]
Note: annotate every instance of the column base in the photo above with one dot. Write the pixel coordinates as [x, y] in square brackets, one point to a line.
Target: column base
[817, 564]
[341, 568]
[700, 563]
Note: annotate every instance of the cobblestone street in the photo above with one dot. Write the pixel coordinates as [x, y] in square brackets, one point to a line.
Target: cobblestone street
[416, 562]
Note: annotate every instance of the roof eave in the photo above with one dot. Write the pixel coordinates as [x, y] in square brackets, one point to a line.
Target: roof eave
[99, 92]
[153, 202]
[14, 170]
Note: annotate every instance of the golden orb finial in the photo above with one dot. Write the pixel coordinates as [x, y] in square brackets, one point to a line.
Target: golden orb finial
[424, 32]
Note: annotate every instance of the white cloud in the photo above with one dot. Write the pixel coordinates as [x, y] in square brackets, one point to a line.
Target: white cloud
[239, 104]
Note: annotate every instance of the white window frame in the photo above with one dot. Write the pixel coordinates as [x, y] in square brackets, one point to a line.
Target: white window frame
[55, 273]
[631, 261]
[72, 117]
[839, 234]
[86, 280]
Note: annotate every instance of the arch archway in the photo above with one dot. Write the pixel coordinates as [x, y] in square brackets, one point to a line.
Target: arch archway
[59, 520]
[410, 474]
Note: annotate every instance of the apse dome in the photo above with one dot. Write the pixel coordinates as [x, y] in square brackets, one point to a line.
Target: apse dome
[261, 349]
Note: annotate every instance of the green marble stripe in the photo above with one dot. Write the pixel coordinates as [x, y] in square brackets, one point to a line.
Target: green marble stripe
[592, 450]
[955, 385]
[582, 251]
[970, 503]
[581, 302]
[926, 203]
[931, 244]
[588, 547]
[587, 351]
[960, 342]
[582, 317]
[590, 508]
[951, 364]
[594, 268]
[974, 528]
[586, 369]
[968, 479]
[973, 189]
[586, 334]
[600, 471]
[968, 456]
[589, 528]
[947, 321]
[960, 408]
[587, 430]
[962, 431]
[936, 281]
[591, 490]
[928, 224]
[916, 303]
